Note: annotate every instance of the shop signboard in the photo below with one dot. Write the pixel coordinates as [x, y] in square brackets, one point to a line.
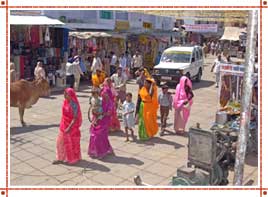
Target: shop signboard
[232, 69]
[147, 25]
[202, 28]
[121, 25]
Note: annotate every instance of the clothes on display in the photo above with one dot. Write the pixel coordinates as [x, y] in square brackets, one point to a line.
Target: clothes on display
[33, 43]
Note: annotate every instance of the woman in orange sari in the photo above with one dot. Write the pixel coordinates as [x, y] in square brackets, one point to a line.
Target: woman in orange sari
[98, 78]
[148, 126]
[68, 140]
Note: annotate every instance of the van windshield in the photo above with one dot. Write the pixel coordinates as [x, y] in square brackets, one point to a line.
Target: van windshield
[176, 57]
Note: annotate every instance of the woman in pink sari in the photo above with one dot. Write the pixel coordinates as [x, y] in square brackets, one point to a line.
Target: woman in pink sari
[115, 123]
[99, 145]
[182, 103]
[68, 140]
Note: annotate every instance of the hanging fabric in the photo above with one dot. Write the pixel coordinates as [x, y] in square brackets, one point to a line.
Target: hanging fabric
[35, 36]
[65, 39]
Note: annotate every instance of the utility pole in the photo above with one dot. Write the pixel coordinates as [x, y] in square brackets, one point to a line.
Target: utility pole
[246, 97]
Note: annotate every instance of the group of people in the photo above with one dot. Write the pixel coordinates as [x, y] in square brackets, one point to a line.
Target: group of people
[111, 62]
[102, 114]
[213, 47]
[39, 72]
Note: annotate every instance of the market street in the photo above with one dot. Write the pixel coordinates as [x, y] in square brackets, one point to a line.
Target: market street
[32, 148]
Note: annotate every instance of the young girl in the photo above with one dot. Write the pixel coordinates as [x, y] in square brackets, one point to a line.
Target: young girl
[128, 115]
[95, 108]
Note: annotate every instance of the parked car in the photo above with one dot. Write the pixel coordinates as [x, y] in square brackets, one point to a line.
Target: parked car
[178, 61]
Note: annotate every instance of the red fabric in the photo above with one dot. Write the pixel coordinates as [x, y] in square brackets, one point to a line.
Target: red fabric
[57, 52]
[35, 36]
[68, 144]
[67, 112]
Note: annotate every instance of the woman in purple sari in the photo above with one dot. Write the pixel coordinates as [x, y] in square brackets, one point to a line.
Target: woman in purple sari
[99, 144]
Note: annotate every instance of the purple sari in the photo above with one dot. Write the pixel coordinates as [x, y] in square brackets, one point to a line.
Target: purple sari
[99, 144]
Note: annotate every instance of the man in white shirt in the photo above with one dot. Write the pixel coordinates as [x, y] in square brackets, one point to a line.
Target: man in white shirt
[136, 61]
[96, 63]
[123, 64]
[77, 72]
[70, 73]
[39, 71]
[113, 63]
[120, 84]
[216, 69]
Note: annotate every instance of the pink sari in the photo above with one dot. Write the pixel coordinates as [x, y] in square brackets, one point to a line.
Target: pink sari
[68, 144]
[99, 144]
[182, 112]
[115, 123]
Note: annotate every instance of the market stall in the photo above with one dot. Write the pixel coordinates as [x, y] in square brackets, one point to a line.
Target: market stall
[146, 44]
[83, 44]
[228, 115]
[232, 43]
[36, 38]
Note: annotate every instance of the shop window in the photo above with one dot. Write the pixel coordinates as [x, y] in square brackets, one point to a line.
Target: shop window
[106, 14]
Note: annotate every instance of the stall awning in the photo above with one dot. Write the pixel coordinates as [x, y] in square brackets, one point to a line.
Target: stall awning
[232, 33]
[33, 20]
[88, 35]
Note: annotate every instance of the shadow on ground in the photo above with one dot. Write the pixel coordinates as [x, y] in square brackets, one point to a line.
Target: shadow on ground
[83, 96]
[196, 85]
[154, 140]
[158, 140]
[90, 166]
[30, 128]
[122, 160]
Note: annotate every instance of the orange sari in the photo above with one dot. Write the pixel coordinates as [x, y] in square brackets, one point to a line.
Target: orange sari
[98, 80]
[148, 126]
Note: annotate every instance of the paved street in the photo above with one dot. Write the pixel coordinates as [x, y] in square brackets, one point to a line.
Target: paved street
[32, 148]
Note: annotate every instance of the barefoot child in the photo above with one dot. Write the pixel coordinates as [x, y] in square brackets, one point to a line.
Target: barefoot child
[165, 102]
[128, 115]
[95, 107]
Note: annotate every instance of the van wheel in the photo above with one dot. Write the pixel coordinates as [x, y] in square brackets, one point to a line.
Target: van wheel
[199, 75]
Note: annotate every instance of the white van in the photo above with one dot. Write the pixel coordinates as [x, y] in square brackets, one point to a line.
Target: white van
[178, 61]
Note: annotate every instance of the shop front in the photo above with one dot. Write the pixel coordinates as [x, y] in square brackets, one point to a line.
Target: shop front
[34, 40]
[232, 43]
[229, 114]
[147, 45]
[84, 43]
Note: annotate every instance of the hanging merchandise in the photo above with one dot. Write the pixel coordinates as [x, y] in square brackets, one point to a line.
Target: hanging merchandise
[47, 35]
[27, 34]
[41, 35]
[94, 42]
[30, 44]
[74, 42]
[65, 39]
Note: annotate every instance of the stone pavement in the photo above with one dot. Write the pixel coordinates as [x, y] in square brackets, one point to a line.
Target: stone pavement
[32, 148]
